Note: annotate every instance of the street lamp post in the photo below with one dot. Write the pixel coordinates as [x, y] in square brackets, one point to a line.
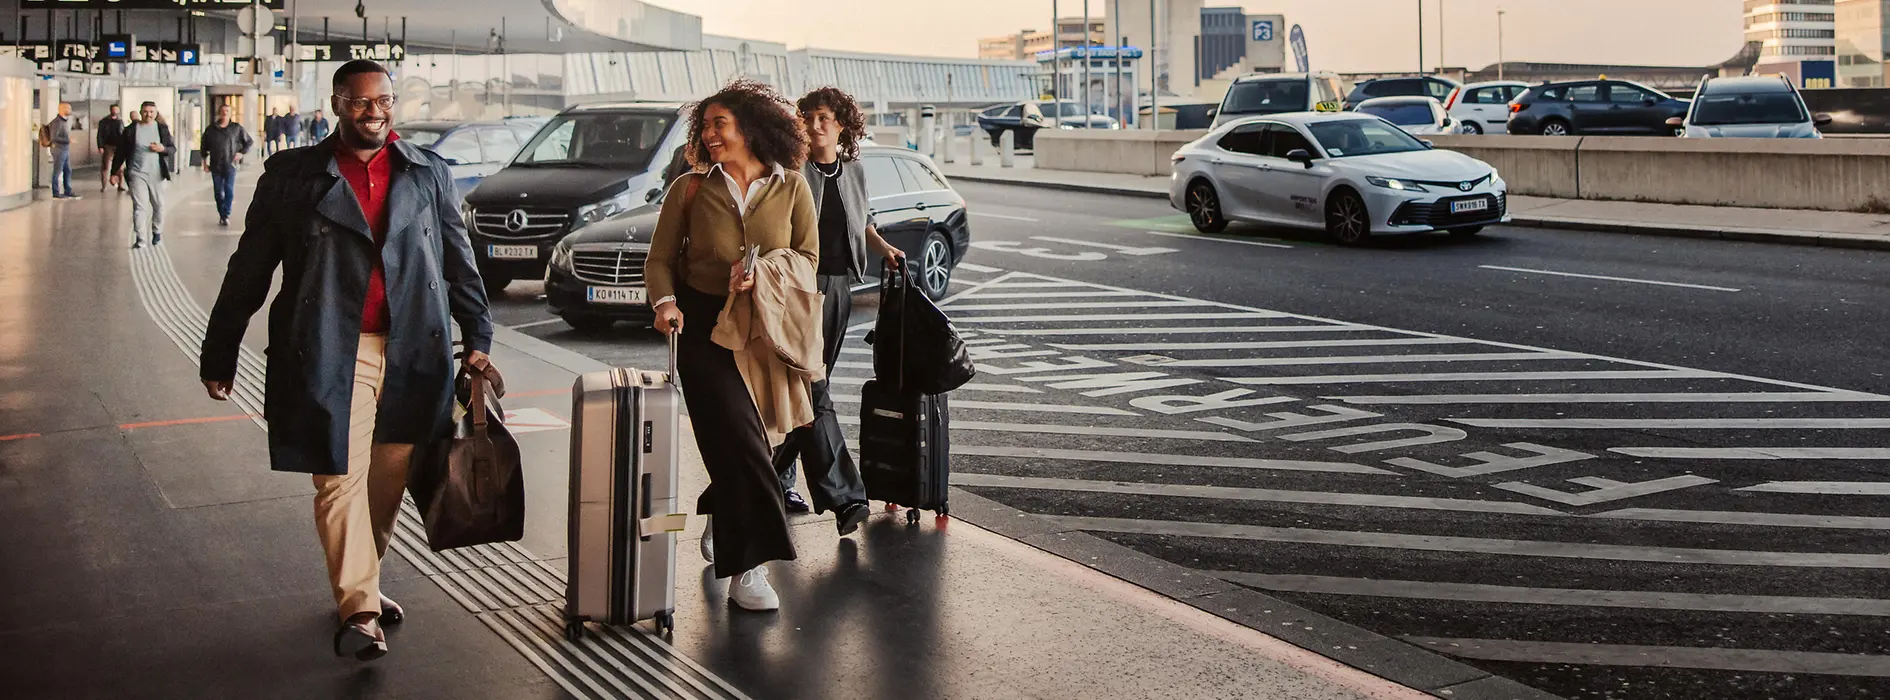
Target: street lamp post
[1443, 66]
[1420, 39]
[1499, 43]
[1086, 43]
[1056, 60]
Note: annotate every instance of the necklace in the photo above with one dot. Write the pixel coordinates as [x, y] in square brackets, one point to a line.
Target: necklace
[834, 174]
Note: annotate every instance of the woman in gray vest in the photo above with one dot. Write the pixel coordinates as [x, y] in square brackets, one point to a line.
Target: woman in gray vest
[835, 126]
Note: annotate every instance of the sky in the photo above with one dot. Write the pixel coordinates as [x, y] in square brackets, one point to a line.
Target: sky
[1342, 35]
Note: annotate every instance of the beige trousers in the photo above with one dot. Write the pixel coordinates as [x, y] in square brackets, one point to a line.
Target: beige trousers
[355, 512]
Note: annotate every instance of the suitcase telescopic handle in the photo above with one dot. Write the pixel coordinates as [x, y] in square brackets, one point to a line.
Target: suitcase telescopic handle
[673, 332]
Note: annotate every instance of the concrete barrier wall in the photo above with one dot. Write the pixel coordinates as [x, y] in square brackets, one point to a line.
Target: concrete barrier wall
[1829, 174]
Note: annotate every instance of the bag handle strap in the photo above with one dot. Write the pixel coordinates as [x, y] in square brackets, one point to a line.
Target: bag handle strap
[688, 202]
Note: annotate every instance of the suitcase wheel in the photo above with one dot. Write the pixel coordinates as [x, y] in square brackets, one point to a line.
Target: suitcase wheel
[912, 517]
[665, 623]
[573, 631]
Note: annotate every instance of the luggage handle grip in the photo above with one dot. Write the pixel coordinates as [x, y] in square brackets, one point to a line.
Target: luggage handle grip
[671, 334]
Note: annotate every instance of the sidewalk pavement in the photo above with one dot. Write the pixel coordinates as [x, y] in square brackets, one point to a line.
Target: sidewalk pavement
[1793, 226]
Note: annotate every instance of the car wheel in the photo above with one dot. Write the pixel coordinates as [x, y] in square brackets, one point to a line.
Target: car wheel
[1347, 220]
[1555, 127]
[588, 324]
[1204, 209]
[1466, 231]
[1680, 131]
[935, 266]
[1473, 128]
[997, 138]
[496, 284]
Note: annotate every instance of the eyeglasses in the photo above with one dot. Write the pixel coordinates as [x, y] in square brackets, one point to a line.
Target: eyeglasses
[360, 104]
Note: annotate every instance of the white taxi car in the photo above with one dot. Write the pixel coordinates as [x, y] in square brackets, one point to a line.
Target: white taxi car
[1350, 174]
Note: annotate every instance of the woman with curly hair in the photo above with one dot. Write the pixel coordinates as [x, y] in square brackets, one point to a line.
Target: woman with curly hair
[747, 190]
[835, 126]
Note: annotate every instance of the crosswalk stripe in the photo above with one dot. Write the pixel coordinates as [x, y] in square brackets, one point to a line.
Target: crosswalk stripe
[1263, 345]
[1828, 488]
[1678, 423]
[1523, 595]
[1056, 318]
[1578, 375]
[1322, 328]
[974, 386]
[1054, 305]
[1729, 517]
[1677, 397]
[1835, 453]
[1714, 659]
[1474, 545]
[1092, 430]
[1174, 460]
[974, 267]
[1045, 295]
[1228, 493]
[1367, 359]
[1010, 406]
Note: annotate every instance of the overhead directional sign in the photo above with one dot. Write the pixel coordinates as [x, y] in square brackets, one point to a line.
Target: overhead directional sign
[144, 4]
[351, 50]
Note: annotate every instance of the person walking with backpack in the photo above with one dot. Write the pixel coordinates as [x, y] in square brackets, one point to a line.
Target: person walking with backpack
[835, 125]
[361, 362]
[747, 193]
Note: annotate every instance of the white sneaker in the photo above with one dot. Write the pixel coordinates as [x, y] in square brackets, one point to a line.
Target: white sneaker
[708, 539]
[752, 592]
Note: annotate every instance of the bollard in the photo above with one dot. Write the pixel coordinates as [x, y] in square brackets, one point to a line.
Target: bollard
[928, 123]
[950, 144]
[1007, 147]
[977, 138]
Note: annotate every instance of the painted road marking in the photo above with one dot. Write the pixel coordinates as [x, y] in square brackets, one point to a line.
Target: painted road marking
[1721, 397]
[1678, 423]
[1261, 345]
[1607, 278]
[1008, 406]
[1838, 453]
[1089, 430]
[532, 420]
[1122, 249]
[1172, 460]
[1221, 239]
[1523, 595]
[974, 386]
[1578, 375]
[1725, 517]
[1001, 216]
[1829, 488]
[1044, 295]
[1074, 305]
[1716, 658]
[535, 324]
[1474, 545]
[1367, 359]
[1240, 315]
[1227, 493]
[1179, 330]
[974, 267]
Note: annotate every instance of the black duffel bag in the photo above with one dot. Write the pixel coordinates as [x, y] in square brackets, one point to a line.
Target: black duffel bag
[914, 344]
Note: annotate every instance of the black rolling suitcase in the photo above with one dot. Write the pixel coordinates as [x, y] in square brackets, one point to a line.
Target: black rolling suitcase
[905, 434]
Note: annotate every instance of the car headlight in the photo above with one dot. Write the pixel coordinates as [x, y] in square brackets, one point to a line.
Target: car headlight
[561, 255]
[1396, 184]
[593, 213]
[1067, 127]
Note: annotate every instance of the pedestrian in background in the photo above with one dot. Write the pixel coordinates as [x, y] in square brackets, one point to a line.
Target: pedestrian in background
[292, 129]
[350, 391]
[751, 194]
[223, 145]
[835, 126]
[110, 129]
[59, 138]
[142, 164]
[318, 127]
[272, 133]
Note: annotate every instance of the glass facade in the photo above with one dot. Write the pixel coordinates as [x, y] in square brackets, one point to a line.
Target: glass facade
[1860, 42]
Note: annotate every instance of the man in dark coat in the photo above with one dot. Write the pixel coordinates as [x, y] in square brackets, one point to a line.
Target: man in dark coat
[374, 258]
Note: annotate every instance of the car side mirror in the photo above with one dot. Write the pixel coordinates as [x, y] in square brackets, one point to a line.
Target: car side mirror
[452, 161]
[1649, 102]
[1821, 119]
[1676, 121]
[1300, 155]
[653, 195]
[1447, 121]
[1033, 120]
[1427, 143]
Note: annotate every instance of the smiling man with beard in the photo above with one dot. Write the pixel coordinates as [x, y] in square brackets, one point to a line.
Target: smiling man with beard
[360, 355]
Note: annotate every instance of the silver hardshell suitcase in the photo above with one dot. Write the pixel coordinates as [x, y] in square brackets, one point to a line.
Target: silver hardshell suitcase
[624, 519]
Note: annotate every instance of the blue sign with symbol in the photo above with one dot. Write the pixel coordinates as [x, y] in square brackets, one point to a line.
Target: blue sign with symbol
[187, 57]
[1298, 39]
[1263, 30]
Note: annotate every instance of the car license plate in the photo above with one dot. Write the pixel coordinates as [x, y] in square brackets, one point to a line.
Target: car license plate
[614, 295]
[1469, 206]
[512, 252]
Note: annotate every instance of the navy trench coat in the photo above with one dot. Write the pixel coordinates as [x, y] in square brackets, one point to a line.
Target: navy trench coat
[306, 219]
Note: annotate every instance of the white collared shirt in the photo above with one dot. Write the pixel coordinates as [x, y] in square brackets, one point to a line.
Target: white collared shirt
[743, 198]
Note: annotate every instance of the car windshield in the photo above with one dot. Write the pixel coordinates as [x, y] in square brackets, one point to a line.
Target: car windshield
[1750, 108]
[1070, 109]
[1407, 114]
[1267, 97]
[1362, 137]
[625, 140]
[419, 137]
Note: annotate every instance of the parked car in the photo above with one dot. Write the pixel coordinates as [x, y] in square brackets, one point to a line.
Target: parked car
[1425, 86]
[473, 150]
[1595, 107]
[1259, 94]
[1028, 116]
[1483, 108]
[587, 164]
[595, 276]
[1767, 107]
[1349, 174]
[1418, 116]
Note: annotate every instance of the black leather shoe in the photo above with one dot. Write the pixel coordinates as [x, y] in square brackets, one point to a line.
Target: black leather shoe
[851, 516]
[362, 640]
[391, 612]
[796, 504]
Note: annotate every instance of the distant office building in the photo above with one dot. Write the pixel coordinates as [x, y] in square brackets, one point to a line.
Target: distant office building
[1860, 30]
[1792, 30]
[1223, 40]
[1026, 44]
